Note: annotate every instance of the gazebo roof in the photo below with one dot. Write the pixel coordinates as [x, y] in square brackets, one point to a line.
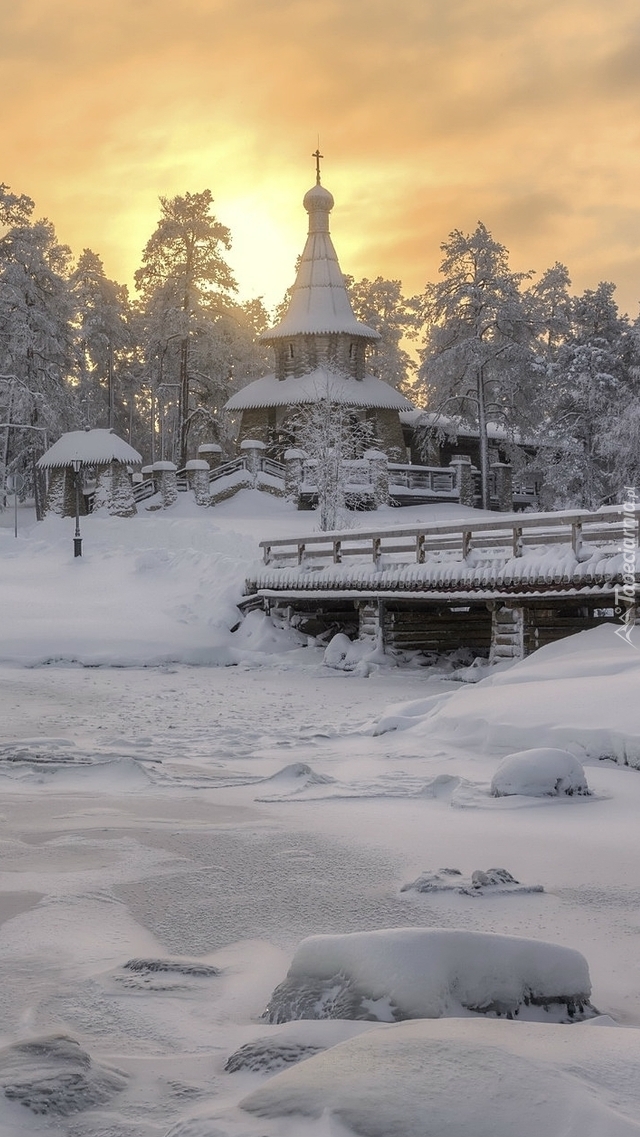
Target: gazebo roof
[90, 448]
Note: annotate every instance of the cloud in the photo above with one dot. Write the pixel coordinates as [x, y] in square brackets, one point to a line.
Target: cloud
[430, 114]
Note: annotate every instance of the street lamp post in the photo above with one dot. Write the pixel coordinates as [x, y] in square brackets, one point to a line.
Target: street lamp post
[77, 539]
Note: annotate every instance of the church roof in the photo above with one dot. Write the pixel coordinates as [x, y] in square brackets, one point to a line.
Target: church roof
[319, 300]
[315, 386]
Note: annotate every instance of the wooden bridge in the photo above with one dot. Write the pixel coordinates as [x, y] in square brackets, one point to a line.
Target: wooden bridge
[501, 587]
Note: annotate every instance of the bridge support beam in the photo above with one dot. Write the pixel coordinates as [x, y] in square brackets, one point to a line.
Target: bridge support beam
[371, 622]
[507, 632]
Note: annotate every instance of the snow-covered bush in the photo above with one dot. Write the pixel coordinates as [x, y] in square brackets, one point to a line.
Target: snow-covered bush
[403, 973]
[543, 772]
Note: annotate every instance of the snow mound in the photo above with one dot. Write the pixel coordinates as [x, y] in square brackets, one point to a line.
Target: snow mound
[404, 973]
[462, 1079]
[299, 772]
[360, 656]
[54, 1075]
[542, 772]
[290, 1043]
[481, 883]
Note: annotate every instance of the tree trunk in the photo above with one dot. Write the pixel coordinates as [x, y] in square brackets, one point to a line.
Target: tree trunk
[483, 440]
[184, 400]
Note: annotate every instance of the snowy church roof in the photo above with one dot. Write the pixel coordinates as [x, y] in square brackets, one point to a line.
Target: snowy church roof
[315, 385]
[90, 447]
[319, 301]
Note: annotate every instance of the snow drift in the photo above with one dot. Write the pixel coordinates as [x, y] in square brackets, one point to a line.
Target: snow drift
[578, 693]
[463, 1079]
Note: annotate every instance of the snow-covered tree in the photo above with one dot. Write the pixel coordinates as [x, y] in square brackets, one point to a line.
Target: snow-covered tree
[103, 337]
[36, 338]
[185, 286]
[479, 360]
[592, 405]
[381, 305]
[331, 435]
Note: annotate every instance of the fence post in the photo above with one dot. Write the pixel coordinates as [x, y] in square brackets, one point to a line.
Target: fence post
[198, 480]
[210, 453]
[253, 453]
[461, 465]
[166, 482]
[293, 473]
[503, 474]
[378, 475]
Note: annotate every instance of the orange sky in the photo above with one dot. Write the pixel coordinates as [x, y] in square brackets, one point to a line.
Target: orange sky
[432, 114]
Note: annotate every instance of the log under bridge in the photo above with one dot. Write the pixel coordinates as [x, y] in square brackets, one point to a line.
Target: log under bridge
[501, 587]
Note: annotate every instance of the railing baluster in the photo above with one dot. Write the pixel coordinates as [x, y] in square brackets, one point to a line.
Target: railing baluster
[466, 543]
[517, 545]
[420, 548]
[337, 552]
[301, 548]
[576, 537]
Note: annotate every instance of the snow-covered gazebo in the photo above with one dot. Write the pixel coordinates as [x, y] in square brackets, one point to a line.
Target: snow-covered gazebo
[320, 350]
[100, 451]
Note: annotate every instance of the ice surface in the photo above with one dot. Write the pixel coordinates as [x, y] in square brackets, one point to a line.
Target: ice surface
[401, 973]
[541, 772]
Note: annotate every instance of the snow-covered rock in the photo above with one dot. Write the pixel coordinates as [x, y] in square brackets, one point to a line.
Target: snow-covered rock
[482, 882]
[460, 1078]
[292, 1042]
[54, 1075]
[542, 772]
[403, 973]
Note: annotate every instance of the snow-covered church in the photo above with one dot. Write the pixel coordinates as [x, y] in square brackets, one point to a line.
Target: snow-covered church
[320, 352]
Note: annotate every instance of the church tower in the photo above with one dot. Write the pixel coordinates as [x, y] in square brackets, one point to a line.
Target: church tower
[320, 350]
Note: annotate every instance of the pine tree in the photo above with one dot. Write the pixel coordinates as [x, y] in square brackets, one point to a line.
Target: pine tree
[103, 335]
[185, 283]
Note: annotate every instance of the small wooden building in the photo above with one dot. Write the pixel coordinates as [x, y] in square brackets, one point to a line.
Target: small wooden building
[102, 461]
[320, 354]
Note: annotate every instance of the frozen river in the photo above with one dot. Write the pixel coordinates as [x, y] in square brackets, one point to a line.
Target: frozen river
[222, 815]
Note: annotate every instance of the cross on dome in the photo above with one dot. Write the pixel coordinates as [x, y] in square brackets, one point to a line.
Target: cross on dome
[317, 155]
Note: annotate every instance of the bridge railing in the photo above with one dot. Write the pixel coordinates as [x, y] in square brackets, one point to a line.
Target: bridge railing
[513, 532]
